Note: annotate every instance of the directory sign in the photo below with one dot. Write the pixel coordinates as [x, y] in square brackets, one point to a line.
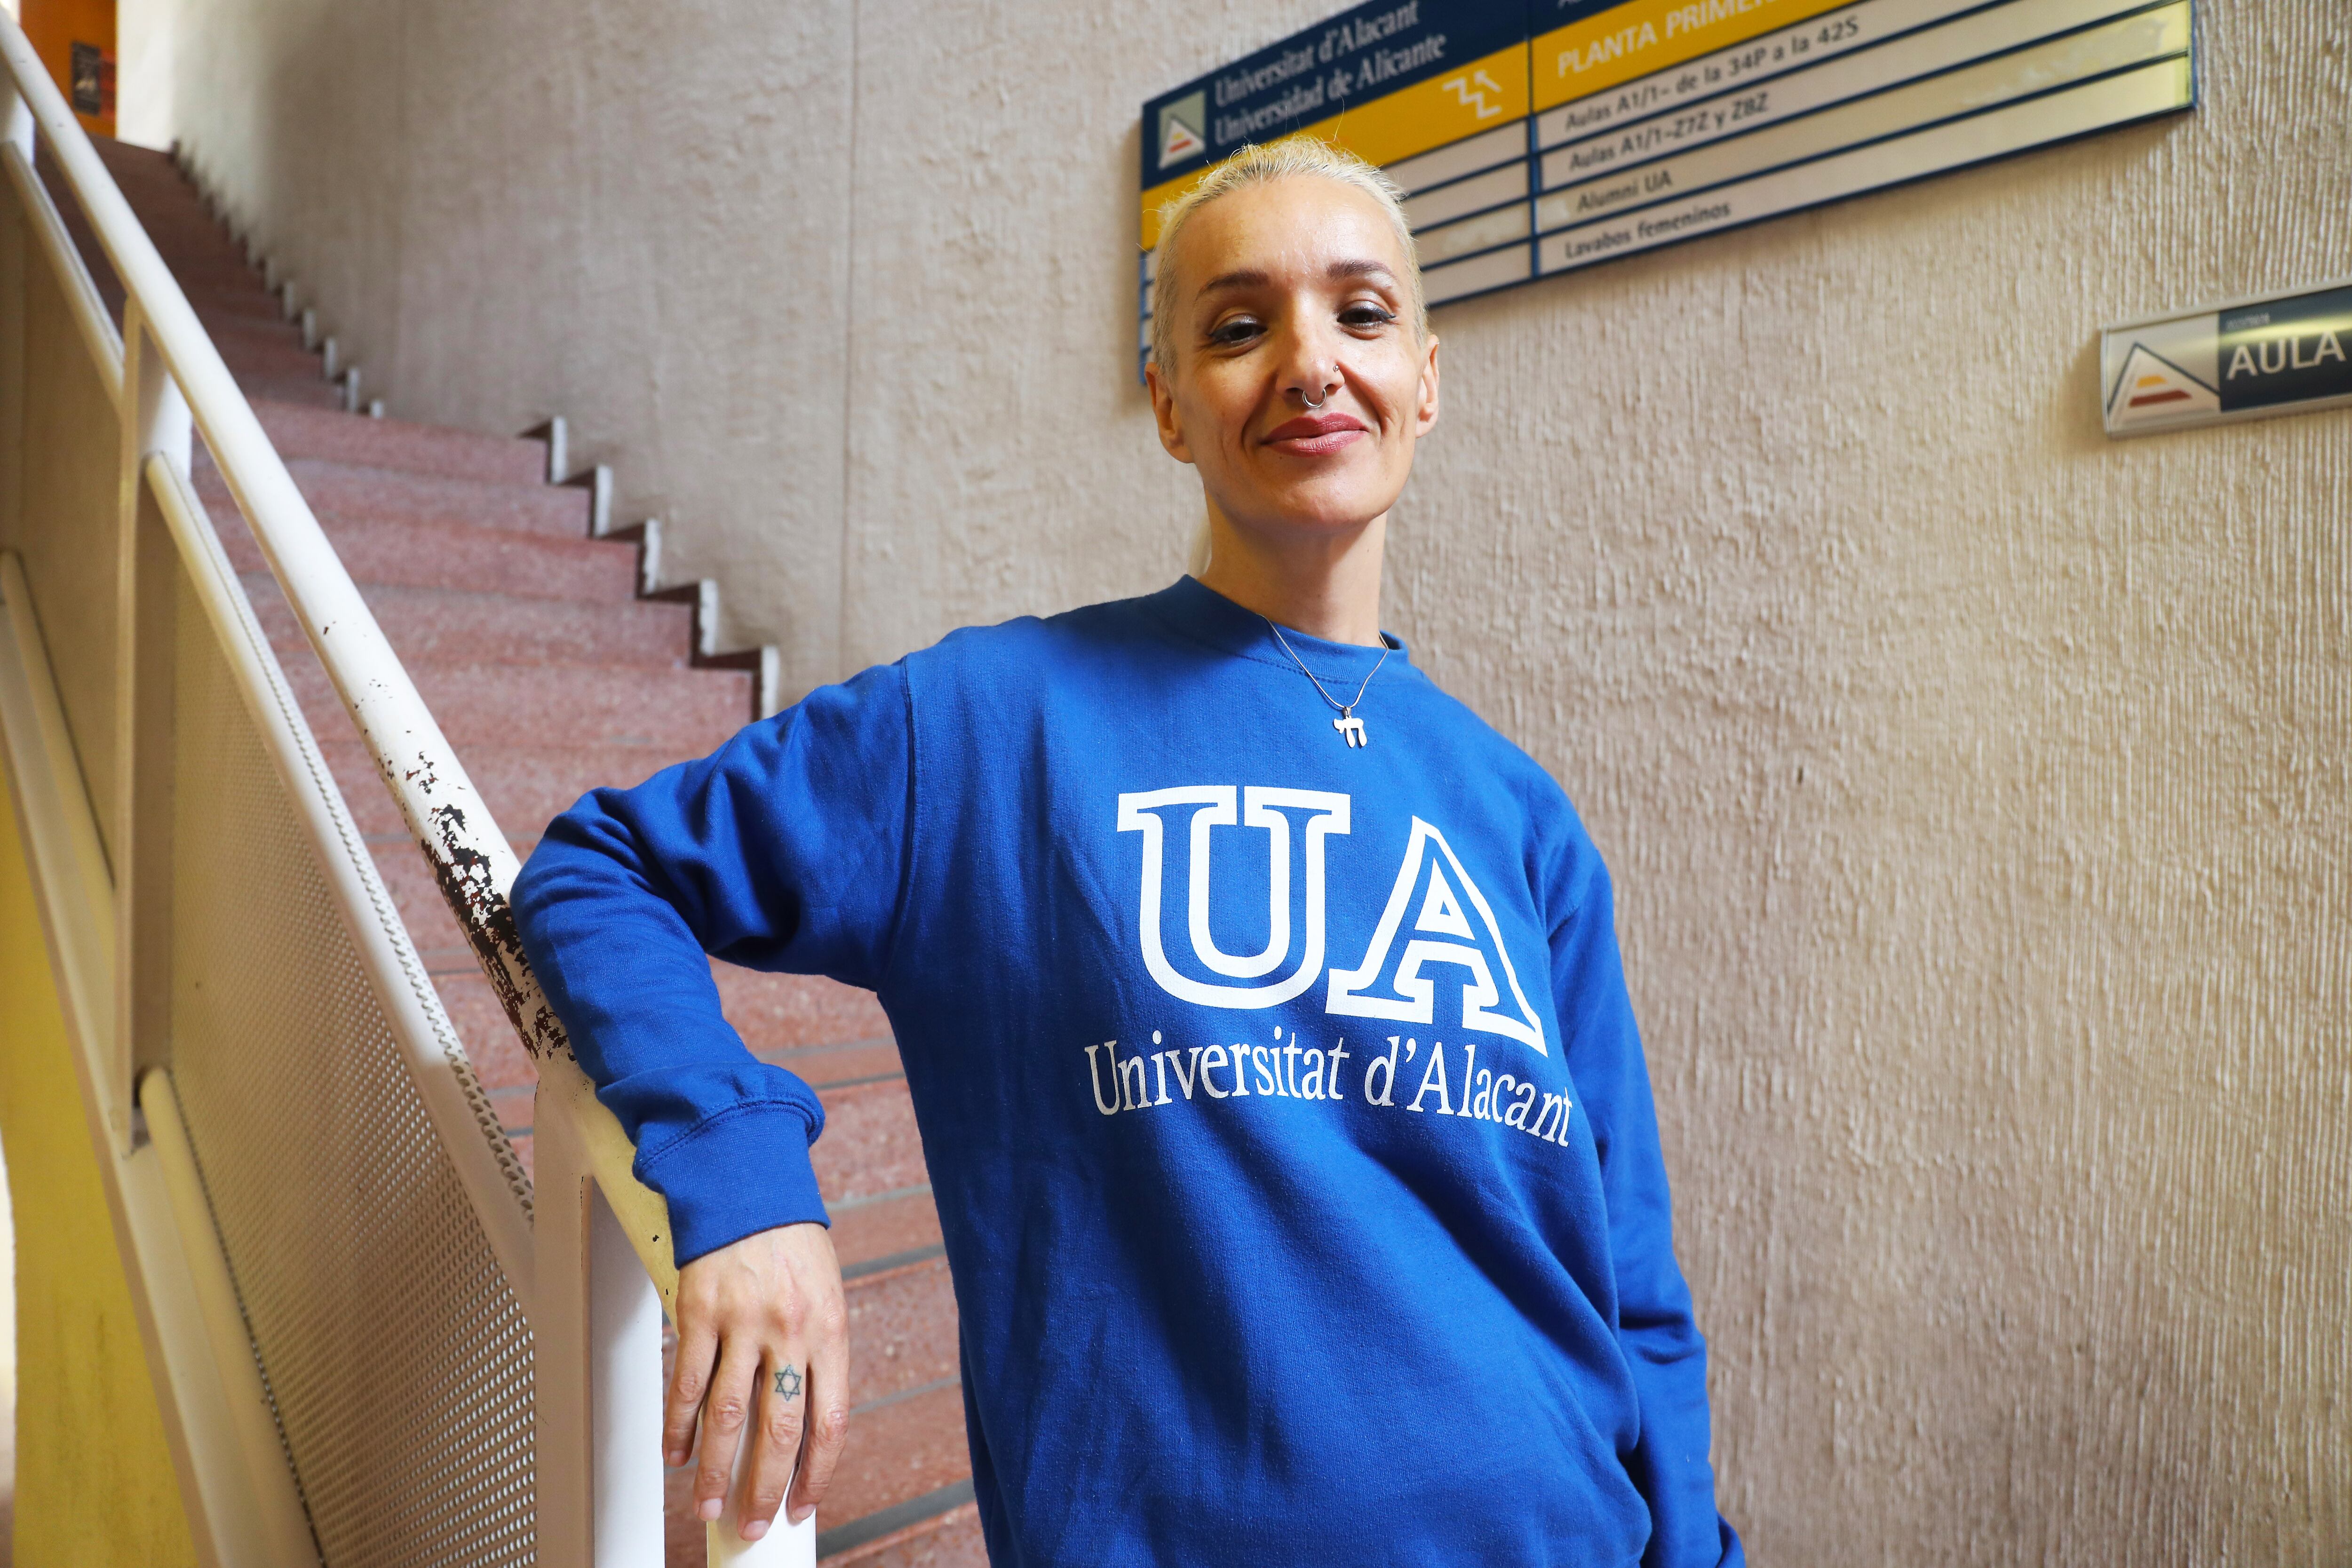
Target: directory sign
[1533, 137]
[1434, 91]
[2242, 360]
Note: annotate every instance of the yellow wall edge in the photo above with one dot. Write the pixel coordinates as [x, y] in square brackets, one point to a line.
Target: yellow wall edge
[94, 1476]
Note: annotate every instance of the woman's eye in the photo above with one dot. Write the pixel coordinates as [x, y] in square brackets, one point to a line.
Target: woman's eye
[1239, 330]
[1366, 316]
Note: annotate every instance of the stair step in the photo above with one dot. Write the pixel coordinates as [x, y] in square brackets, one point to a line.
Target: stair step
[218, 272]
[904, 1329]
[890, 1219]
[243, 308]
[128, 159]
[442, 626]
[525, 788]
[393, 495]
[897, 1452]
[683, 711]
[252, 358]
[948, 1538]
[870, 1145]
[839, 1064]
[163, 185]
[167, 190]
[183, 232]
[776, 1012]
[905, 1225]
[307, 391]
[260, 328]
[177, 221]
[175, 217]
[410, 448]
[460, 555]
[182, 235]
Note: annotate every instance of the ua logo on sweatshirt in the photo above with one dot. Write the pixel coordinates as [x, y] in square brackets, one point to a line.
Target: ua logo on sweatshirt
[1281, 812]
[1437, 920]
[1430, 890]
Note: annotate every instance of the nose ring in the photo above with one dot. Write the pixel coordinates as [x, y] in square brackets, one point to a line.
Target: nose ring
[1313, 403]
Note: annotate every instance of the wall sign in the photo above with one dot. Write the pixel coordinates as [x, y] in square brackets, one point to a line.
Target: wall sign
[2244, 359]
[1533, 137]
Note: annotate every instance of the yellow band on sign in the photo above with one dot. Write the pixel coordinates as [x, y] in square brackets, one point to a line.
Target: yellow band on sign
[1400, 125]
[1434, 113]
[1159, 196]
[1632, 40]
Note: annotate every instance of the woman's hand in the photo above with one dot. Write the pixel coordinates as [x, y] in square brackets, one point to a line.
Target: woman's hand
[761, 1326]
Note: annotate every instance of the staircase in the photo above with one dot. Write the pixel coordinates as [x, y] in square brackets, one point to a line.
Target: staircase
[551, 672]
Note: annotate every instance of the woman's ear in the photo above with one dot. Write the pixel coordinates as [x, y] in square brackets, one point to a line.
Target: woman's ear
[1164, 412]
[1426, 414]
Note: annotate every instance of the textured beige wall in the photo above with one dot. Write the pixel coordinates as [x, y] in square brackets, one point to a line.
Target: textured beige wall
[1976, 789]
[631, 216]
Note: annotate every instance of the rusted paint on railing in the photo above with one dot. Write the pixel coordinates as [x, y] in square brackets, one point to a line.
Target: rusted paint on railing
[478, 895]
[474, 868]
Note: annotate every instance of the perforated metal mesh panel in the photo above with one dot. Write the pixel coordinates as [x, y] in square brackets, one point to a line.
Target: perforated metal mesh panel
[396, 1355]
[62, 520]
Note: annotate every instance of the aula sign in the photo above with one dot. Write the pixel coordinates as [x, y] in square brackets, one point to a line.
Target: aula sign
[2246, 358]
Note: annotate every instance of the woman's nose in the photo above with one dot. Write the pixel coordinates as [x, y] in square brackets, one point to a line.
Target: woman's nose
[1310, 369]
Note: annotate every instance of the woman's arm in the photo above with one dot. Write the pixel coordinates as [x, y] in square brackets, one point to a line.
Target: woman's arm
[1663, 1346]
[784, 850]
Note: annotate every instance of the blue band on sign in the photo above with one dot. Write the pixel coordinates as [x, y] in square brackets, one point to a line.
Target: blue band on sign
[1361, 54]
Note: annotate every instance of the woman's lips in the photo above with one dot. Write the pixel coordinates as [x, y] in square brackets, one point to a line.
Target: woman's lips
[1314, 434]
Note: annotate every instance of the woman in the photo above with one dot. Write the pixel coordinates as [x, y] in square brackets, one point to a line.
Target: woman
[1261, 1008]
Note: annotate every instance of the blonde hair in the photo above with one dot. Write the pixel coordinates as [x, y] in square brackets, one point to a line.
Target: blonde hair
[1256, 166]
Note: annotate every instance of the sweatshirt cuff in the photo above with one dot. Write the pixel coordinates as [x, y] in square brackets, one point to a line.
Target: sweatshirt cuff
[736, 1173]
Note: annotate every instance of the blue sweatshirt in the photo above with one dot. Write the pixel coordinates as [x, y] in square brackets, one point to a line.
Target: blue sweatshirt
[1291, 1138]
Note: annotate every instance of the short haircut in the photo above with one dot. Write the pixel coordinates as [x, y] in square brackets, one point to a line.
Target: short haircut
[1255, 165]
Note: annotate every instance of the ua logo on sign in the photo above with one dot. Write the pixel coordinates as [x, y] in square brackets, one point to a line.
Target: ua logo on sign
[1441, 933]
[1280, 812]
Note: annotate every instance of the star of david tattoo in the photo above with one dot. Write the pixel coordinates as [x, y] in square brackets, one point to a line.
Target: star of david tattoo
[788, 1382]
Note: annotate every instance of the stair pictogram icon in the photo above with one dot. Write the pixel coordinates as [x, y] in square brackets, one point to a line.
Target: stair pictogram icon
[1470, 90]
[550, 676]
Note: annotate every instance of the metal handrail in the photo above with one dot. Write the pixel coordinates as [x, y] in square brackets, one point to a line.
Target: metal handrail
[471, 860]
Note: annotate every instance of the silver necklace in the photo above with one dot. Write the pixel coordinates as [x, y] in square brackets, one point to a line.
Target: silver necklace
[1347, 723]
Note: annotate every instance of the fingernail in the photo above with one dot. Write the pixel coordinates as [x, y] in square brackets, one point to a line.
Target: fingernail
[754, 1528]
[708, 1507]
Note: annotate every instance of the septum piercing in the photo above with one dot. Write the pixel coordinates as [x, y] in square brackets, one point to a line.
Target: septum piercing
[1310, 402]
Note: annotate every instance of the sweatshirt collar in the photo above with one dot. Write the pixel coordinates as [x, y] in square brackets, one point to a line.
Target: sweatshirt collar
[1205, 615]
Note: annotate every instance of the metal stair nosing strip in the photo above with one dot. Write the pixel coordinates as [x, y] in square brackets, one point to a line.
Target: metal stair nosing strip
[899, 1516]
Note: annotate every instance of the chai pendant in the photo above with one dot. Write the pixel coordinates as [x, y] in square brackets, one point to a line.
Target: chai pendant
[1347, 724]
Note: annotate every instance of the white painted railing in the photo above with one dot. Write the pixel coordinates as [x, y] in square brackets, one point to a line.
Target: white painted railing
[592, 1271]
